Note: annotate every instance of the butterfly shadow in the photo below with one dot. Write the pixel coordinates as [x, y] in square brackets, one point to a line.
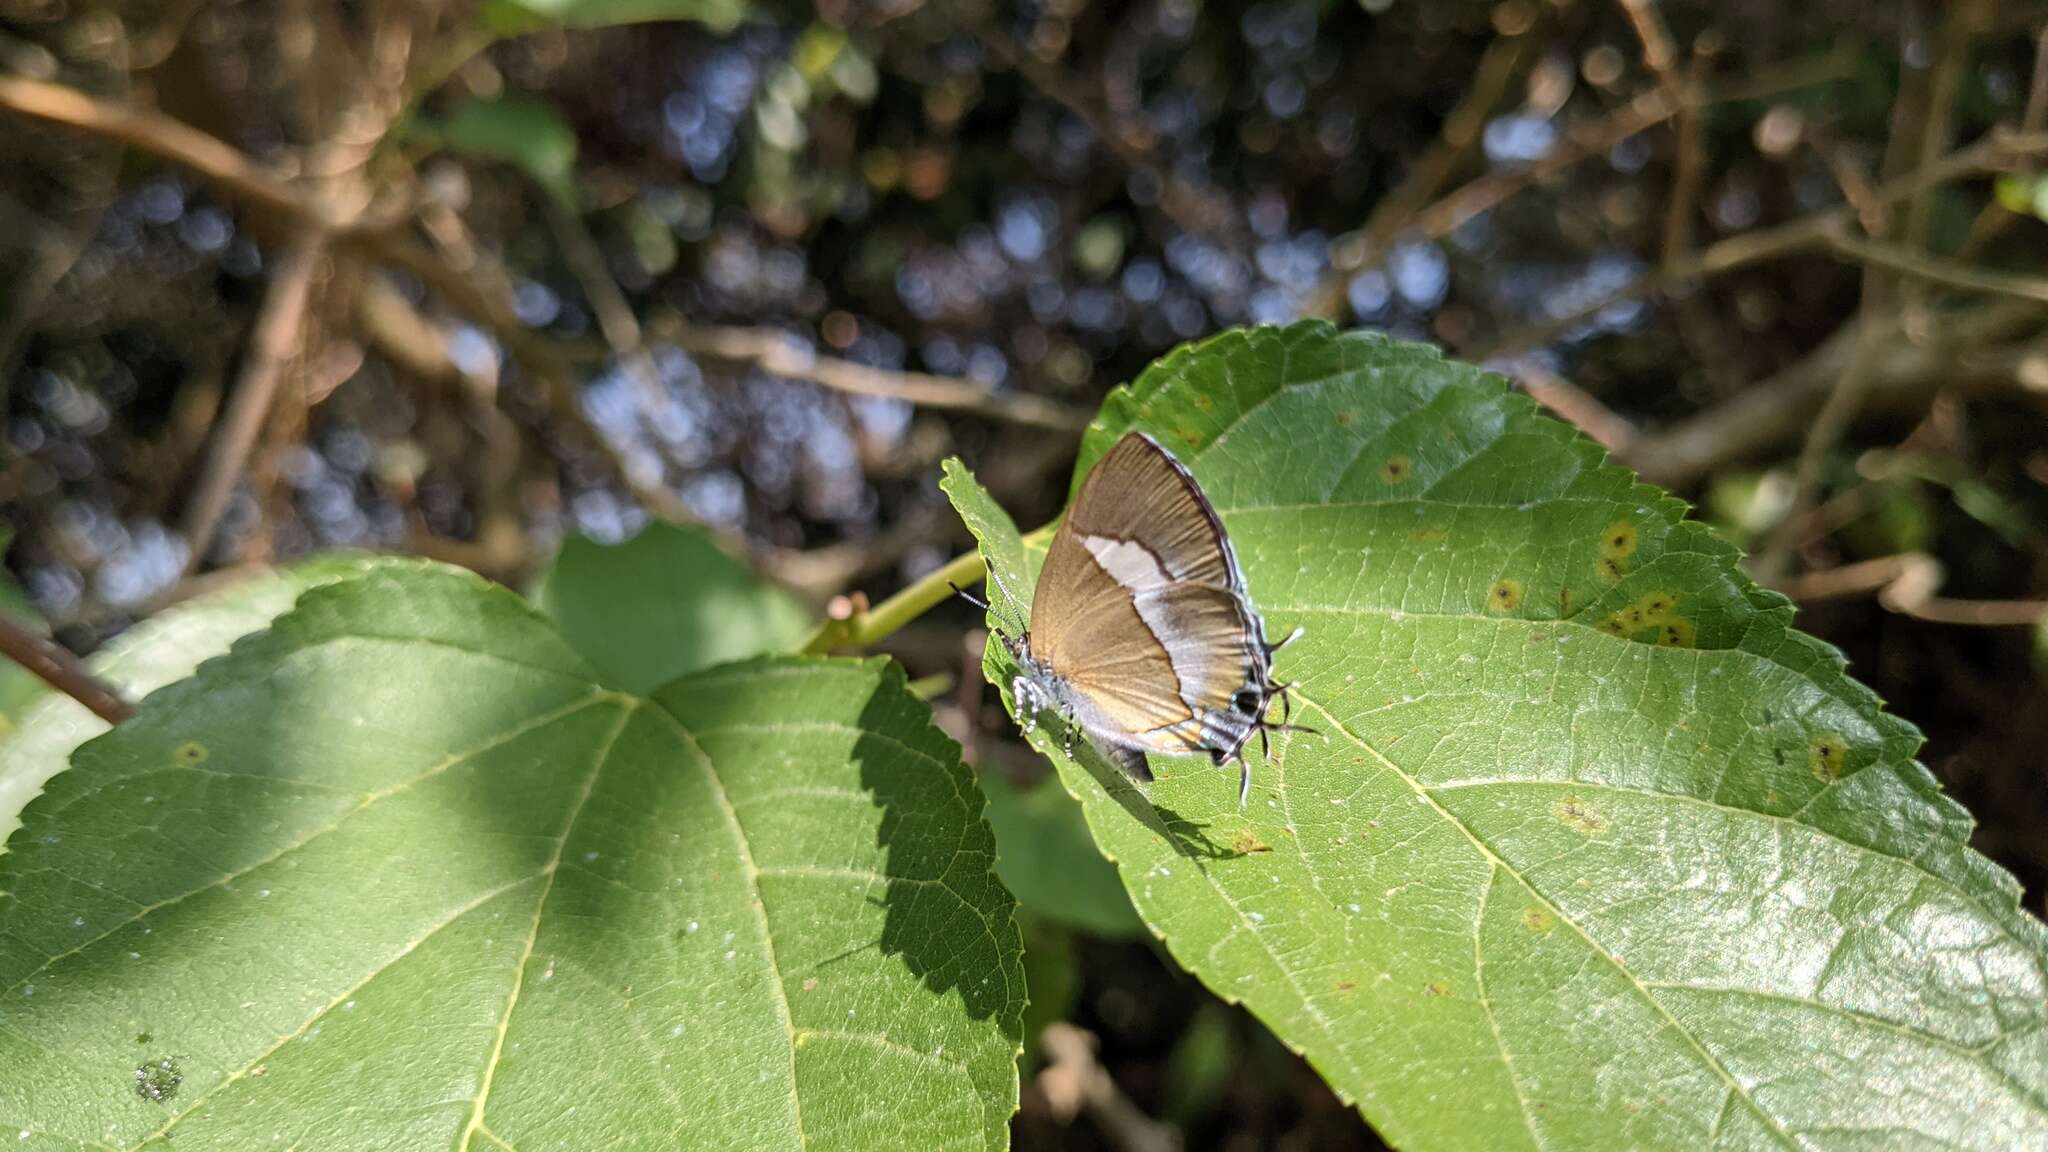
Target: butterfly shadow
[1189, 838]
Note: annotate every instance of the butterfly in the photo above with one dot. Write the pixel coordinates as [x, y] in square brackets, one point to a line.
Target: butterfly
[1142, 633]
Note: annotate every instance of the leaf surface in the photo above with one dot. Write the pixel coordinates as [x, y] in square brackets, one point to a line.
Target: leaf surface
[666, 602]
[1593, 850]
[157, 651]
[400, 873]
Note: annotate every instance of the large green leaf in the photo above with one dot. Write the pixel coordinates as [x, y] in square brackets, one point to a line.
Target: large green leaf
[1593, 851]
[666, 602]
[166, 647]
[400, 873]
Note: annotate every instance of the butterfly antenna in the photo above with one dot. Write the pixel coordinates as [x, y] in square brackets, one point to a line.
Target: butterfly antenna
[970, 597]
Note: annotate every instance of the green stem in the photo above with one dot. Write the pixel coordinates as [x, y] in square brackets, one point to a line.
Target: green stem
[884, 619]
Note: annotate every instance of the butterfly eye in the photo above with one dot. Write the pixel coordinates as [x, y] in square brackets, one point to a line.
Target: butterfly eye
[1246, 701]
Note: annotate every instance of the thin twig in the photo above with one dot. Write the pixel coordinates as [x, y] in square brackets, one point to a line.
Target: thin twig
[1644, 112]
[1906, 374]
[1991, 153]
[1688, 174]
[1575, 406]
[1462, 131]
[1935, 270]
[781, 354]
[272, 343]
[56, 666]
[1072, 1081]
[161, 135]
[1906, 583]
[615, 318]
[1192, 209]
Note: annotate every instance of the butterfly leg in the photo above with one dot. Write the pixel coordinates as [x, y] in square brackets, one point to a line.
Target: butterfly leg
[1026, 698]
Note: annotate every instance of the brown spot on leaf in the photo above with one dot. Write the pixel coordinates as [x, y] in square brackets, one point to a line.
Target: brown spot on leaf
[1504, 596]
[1608, 569]
[811, 984]
[1676, 633]
[1573, 812]
[1397, 469]
[1346, 985]
[1203, 402]
[1827, 757]
[1245, 843]
[1437, 989]
[1344, 419]
[1538, 919]
[189, 753]
[1618, 541]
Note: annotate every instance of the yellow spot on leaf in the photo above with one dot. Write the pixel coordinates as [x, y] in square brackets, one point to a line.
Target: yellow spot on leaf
[1538, 919]
[1608, 569]
[1397, 469]
[1828, 756]
[811, 984]
[1429, 535]
[1504, 596]
[1613, 626]
[1203, 402]
[1437, 989]
[1189, 436]
[1676, 632]
[1573, 812]
[1346, 985]
[1245, 843]
[1618, 541]
[190, 752]
[1656, 606]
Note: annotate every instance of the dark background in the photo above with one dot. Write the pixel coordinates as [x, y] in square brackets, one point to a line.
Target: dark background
[1781, 257]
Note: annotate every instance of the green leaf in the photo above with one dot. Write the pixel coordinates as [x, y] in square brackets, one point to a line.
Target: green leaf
[400, 873]
[666, 602]
[527, 132]
[164, 648]
[523, 15]
[1046, 860]
[1594, 850]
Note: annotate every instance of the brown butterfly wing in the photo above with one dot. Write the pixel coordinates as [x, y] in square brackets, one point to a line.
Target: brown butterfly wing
[1139, 603]
[1140, 494]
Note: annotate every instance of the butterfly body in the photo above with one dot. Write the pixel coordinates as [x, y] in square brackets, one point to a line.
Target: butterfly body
[1143, 634]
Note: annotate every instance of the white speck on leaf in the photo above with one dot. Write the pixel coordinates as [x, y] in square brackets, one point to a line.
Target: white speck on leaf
[690, 927]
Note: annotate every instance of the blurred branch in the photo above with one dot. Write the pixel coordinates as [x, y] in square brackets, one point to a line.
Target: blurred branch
[1447, 213]
[1072, 1080]
[56, 666]
[779, 353]
[272, 343]
[615, 318]
[160, 135]
[1575, 406]
[1906, 583]
[1991, 153]
[1192, 209]
[1934, 269]
[1462, 131]
[1904, 374]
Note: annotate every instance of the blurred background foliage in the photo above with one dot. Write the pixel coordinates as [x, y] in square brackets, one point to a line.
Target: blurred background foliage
[472, 280]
